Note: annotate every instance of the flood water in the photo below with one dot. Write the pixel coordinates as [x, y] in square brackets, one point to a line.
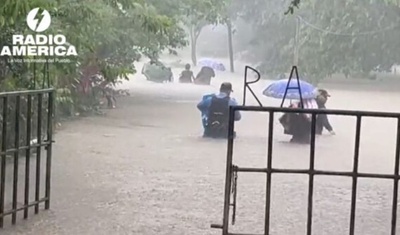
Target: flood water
[332, 195]
[144, 169]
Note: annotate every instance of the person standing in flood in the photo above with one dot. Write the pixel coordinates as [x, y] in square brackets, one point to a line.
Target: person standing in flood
[186, 75]
[322, 119]
[214, 110]
[298, 125]
[204, 76]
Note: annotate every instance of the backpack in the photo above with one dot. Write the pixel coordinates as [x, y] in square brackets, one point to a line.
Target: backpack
[218, 116]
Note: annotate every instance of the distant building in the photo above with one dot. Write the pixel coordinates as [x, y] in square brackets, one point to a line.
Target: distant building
[395, 69]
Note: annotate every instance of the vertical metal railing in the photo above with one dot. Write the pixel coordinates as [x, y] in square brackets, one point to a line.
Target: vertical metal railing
[396, 180]
[311, 171]
[16, 158]
[3, 159]
[311, 174]
[269, 172]
[38, 150]
[49, 149]
[354, 177]
[23, 130]
[28, 154]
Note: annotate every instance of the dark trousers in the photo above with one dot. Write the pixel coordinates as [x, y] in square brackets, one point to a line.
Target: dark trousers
[322, 122]
[301, 129]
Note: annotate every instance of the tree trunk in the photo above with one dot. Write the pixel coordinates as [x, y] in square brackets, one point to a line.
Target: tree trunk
[193, 42]
[195, 31]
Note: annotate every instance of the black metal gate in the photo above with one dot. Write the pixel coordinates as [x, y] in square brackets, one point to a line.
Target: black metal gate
[311, 172]
[26, 122]
[232, 170]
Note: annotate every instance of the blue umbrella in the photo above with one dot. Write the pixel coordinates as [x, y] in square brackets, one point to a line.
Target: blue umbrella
[216, 65]
[277, 89]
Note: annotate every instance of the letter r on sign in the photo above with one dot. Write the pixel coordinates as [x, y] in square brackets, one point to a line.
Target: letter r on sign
[18, 39]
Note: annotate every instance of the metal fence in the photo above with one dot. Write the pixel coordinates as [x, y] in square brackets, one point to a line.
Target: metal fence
[26, 122]
[232, 170]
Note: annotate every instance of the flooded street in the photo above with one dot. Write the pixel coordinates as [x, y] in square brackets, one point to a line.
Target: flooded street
[101, 133]
[144, 169]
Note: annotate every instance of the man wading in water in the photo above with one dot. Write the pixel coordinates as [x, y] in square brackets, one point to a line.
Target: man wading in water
[322, 119]
[215, 112]
[186, 75]
[204, 76]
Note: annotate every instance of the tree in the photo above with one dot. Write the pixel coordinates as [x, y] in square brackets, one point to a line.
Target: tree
[296, 3]
[335, 37]
[109, 36]
[82, 22]
[356, 40]
[199, 13]
[273, 34]
[293, 4]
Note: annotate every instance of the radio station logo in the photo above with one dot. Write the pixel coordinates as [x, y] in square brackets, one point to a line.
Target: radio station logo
[38, 44]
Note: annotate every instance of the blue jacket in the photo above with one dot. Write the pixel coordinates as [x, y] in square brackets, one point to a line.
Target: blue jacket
[205, 104]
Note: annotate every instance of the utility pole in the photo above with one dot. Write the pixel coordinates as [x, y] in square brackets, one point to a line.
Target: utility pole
[230, 44]
[296, 42]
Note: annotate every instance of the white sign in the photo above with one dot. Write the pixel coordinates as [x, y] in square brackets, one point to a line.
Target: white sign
[39, 44]
[38, 23]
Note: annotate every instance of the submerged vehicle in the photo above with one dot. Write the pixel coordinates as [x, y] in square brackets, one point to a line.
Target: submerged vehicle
[156, 71]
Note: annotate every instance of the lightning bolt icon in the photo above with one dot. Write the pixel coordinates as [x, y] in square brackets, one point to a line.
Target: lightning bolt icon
[38, 18]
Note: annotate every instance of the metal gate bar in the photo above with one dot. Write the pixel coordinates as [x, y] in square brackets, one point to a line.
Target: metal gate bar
[230, 168]
[15, 150]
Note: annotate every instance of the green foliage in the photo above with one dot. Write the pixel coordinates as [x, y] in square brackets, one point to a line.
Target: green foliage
[293, 4]
[341, 36]
[212, 11]
[198, 13]
[109, 36]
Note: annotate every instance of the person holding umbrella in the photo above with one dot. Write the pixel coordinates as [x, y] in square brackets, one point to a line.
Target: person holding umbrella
[322, 119]
[208, 68]
[204, 76]
[298, 125]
